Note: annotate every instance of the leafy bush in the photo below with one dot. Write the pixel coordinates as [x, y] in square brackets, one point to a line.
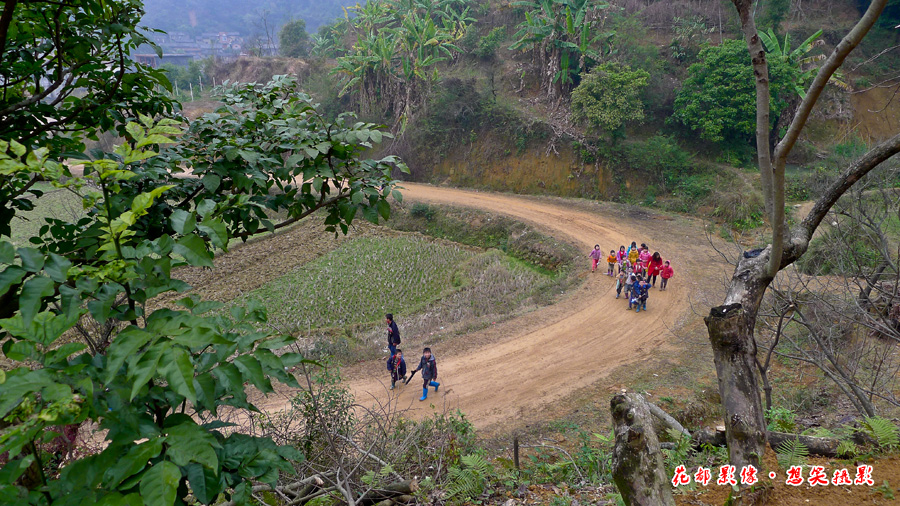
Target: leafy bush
[487, 45]
[718, 98]
[842, 250]
[609, 97]
[781, 420]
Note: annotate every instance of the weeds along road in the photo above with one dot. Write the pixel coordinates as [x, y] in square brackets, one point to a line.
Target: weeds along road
[521, 370]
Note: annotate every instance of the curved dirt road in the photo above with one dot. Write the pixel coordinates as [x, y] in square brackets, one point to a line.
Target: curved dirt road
[519, 370]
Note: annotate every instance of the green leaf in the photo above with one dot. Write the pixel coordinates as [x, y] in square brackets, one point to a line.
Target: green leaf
[205, 485]
[216, 231]
[211, 182]
[252, 370]
[193, 249]
[10, 276]
[188, 442]
[179, 372]
[146, 367]
[32, 259]
[384, 209]
[160, 484]
[133, 462]
[125, 345]
[183, 222]
[33, 291]
[57, 268]
[7, 252]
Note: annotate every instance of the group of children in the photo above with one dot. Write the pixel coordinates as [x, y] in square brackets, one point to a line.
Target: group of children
[397, 365]
[638, 272]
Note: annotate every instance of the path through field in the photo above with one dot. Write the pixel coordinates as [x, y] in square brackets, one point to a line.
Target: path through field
[519, 370]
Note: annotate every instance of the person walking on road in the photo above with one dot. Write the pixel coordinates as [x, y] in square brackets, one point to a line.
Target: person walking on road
[595, 256]
[428, 366]
[393, 333]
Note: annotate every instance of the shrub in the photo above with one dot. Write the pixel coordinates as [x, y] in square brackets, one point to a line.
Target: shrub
[487, 45]
[609, 97]
[718, 98]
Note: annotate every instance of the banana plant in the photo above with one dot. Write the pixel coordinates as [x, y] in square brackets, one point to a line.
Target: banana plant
[562, 34]
[799, 58]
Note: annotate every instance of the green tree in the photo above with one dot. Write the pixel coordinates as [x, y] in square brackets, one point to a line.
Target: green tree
[159, 380]
[718, 98]
[66, 74]
[293, 39]
[609, 97]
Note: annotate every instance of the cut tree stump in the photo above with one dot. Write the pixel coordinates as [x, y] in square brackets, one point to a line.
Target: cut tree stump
[637, 462]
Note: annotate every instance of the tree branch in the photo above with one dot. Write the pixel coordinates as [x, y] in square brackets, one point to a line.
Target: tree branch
[295, 219]
[802, 234]
[9, 7]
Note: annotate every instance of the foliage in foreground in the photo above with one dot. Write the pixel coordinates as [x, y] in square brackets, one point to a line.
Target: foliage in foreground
[82, 346]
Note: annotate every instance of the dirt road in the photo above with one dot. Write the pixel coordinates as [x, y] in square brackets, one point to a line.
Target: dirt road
[519, 370]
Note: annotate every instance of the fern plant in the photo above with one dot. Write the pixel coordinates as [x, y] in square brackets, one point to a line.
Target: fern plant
[468, 481]
[885, 433]
[791, 452]
[846, 449]
[682, 450]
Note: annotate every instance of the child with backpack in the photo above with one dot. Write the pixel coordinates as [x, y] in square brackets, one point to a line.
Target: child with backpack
[666, 274]
[630, 280]
[611, 261]
[397, 366]
[428, 366]
[620, 283]
[644, 292]
[595, 256]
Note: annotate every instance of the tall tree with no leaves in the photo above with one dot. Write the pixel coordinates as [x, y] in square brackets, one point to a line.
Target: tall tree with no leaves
[731, 325]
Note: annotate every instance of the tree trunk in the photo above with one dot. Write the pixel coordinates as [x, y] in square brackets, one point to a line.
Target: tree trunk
[731, 336]
[826, 447]
[637, 462]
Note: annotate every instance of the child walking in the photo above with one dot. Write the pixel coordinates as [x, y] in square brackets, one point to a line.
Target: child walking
[393, 333]
[633, 254]
[644, 293]
[620, 283]
[634, 299]
[629, 285]
[428, 366]
[621, 256]
[595, 255]
[611, 261]
[666, 274]
[397, 366]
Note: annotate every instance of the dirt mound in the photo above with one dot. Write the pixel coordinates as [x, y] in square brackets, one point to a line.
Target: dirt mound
[250, 69]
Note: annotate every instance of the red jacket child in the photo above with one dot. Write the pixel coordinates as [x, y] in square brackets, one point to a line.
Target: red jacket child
[666, 273]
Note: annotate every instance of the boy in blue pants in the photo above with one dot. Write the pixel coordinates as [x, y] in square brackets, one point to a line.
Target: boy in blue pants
[428, 366]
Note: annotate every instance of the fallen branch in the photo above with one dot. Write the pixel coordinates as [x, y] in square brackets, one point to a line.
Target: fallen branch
[823, 446]
[667, 419]
[389, 492]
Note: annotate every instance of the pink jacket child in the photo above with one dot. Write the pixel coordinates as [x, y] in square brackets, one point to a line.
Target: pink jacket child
[665, 273]
[596, 254]
[644, 256]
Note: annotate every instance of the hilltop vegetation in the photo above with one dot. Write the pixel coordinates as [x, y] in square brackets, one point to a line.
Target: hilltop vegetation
[632, 101]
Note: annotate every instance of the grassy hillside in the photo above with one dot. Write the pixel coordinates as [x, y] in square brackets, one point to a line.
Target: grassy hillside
[477, 98]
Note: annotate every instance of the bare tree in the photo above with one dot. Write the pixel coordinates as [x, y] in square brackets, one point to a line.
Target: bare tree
[731, 325]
